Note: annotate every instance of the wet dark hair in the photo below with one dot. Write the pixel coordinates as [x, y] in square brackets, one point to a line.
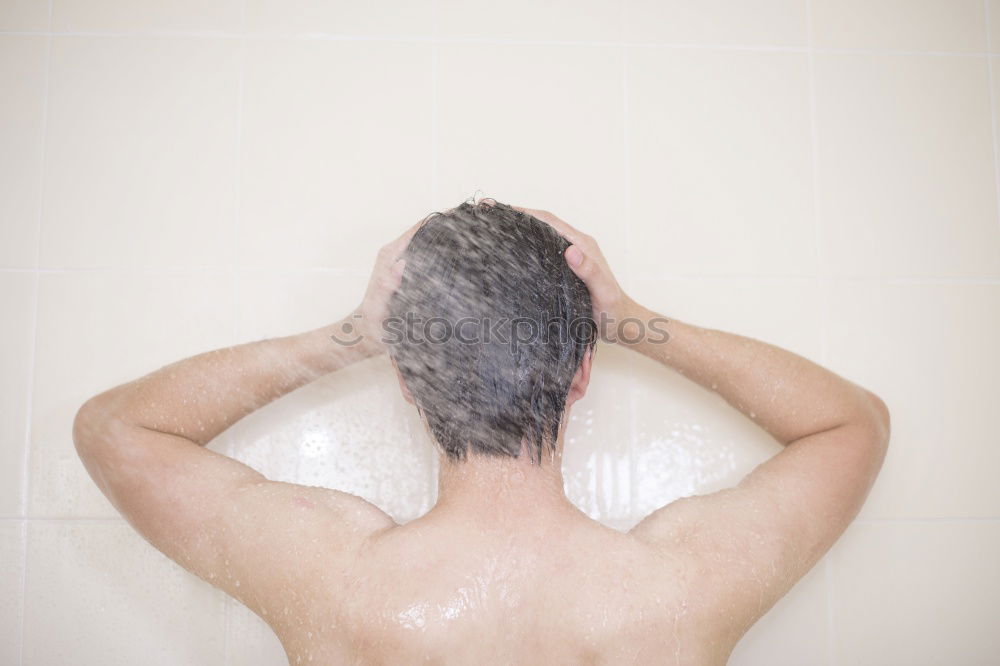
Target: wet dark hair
[502, 377]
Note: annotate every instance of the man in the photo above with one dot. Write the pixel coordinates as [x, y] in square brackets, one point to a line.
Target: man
[504, 569]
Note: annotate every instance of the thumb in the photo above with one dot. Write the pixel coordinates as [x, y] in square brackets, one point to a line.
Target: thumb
[579, 262]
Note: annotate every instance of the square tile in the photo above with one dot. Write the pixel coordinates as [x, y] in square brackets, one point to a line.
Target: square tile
[336, 151]
[929, 25]
[569, 20]
[12, 535]
[537, 126]
[721, 168]
[740, 22]
[140, 153]
[917, 593]
[396, 17]
[24, 15]
[993, 9]
[17, 300]
[98, 593]
[22, 78]
[273, 304]
[97, 330]
[145, 15]
[995, 75]
[906, 161]
[929, 350]
[783, 312]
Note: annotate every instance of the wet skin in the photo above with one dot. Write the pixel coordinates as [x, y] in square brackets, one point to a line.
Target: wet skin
[504, 569]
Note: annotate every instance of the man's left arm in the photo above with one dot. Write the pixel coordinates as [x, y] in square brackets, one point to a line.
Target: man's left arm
[144, 445]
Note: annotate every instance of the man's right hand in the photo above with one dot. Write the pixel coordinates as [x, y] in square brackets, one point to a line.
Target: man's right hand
[611, 304]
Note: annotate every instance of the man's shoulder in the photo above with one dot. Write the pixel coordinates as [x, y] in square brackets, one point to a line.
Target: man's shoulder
[305, 501]
[312, 531]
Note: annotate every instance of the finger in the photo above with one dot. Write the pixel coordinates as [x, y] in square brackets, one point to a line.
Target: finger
[580, 263]
[566, 230]
[529, 211]
[574, 256]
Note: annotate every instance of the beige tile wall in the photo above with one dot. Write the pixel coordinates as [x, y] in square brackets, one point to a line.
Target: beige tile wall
[821, 174]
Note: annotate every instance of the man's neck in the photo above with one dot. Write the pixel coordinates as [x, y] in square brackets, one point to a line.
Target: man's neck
[491, 489]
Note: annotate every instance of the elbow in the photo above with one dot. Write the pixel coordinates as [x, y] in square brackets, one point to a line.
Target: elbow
[85, 427]
[94, 428]
[876, 419]
[99, 436]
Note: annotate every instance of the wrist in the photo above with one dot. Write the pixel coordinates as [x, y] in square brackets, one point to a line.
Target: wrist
[637, 325]
[337, 345]
[621, 321]
[358, 333]
[628, 309]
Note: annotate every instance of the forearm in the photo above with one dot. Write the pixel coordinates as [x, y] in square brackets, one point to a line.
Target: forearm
[786, 394]
[199, 397]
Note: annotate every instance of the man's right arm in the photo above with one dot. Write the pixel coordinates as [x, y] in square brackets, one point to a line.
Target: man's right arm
[795, 505]
[752, 542]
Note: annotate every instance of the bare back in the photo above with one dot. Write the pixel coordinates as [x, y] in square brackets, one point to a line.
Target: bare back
[340, 583]
[575, 592]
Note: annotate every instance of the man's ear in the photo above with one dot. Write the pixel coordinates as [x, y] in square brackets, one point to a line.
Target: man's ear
[402, 383]
[581, 380]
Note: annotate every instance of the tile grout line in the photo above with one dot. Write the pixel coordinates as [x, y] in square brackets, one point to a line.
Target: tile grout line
[351, 273]
[188, 270]
[434, 109]
[165, 34]
[235, 260]
[21, 605]
[822, 274]
[828, 578]
[626, 154]
[33, 352]
[993, 105]
[26, 456]
[62, 519]
[24, 584]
